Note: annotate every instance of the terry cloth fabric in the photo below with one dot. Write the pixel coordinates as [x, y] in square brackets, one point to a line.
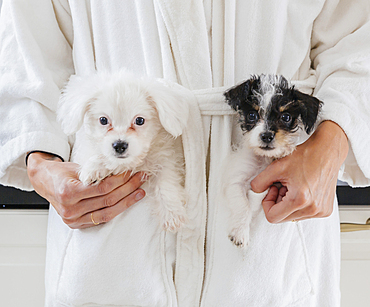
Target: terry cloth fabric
[205, 47]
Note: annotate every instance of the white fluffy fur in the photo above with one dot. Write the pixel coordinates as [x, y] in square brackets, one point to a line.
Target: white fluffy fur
[268, 88]
[241, 168]
[121, 98]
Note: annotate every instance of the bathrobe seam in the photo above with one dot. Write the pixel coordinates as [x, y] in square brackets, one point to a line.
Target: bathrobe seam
[61, 269]
[165, 274]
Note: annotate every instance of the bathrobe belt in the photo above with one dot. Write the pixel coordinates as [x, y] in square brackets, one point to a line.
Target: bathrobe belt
[211, 101]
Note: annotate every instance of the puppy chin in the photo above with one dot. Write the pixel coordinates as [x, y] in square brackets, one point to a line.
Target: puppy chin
[121, 163]
[274, 153]
[283, 144]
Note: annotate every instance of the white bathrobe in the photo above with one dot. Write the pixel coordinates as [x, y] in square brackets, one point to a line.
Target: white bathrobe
[205, 46]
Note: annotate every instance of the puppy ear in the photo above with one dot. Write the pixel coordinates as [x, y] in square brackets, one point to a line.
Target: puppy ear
[74, 102]
[309, 108]
[238, 95]
[172, 107]
[234, 96]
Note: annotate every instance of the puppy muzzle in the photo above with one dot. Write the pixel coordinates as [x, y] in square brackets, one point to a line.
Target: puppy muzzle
[120, 147]
[267, 137]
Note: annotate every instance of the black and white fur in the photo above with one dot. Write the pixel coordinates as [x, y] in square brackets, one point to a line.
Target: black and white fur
[272, 114]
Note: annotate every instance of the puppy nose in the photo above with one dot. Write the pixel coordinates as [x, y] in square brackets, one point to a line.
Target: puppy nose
[267, 137]
[120, 146]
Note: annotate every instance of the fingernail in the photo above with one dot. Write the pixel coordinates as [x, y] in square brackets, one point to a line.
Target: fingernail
[139, 195]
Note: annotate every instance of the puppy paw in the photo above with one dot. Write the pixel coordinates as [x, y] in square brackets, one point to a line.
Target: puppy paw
[173, 220]
[240, 237]
[88, 177]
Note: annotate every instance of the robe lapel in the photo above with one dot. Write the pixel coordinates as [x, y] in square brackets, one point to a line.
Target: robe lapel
[187, 34]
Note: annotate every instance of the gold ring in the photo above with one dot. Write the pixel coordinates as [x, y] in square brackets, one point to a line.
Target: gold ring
[92, 220]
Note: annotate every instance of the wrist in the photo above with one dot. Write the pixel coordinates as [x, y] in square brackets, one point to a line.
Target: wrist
[330, 134]
[35, 159]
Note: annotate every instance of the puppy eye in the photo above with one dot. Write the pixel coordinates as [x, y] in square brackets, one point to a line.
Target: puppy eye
[103, 120]
[139, 121]
[286, 118]
[252, 116]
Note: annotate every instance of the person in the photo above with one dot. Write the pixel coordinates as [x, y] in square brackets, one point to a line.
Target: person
[205, 46]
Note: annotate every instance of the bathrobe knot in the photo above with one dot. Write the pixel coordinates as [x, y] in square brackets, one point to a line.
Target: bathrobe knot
[211, 101]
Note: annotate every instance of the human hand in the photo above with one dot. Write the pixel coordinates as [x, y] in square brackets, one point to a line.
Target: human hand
[308, 177]
[58, 182]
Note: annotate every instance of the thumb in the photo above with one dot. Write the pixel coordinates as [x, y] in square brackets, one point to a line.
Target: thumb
[267, 177]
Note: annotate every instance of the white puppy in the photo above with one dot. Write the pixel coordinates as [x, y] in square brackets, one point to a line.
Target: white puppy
[126, 124]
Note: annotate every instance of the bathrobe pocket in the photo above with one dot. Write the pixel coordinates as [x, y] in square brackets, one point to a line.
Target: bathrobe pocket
[271, 272]
[120, 263]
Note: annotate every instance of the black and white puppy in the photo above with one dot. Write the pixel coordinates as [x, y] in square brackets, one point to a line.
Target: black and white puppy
[272, 115]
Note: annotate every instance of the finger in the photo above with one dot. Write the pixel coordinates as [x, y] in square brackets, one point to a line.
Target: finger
[296, 216]
[108, 184]
[107, 214]
[310, 212]
[270, 198]
[282, 192]
[289, 202]
[279, 212]
[323, 207]
[274, 196]
[304, 214]
[112, 198]
[299, 215]
[272, 173]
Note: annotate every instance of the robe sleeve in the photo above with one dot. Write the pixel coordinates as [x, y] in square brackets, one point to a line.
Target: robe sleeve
[35, 62]
[341, 57]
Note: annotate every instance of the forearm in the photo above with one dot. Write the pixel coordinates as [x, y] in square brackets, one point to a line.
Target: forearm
[340, 56]
[35, 160]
